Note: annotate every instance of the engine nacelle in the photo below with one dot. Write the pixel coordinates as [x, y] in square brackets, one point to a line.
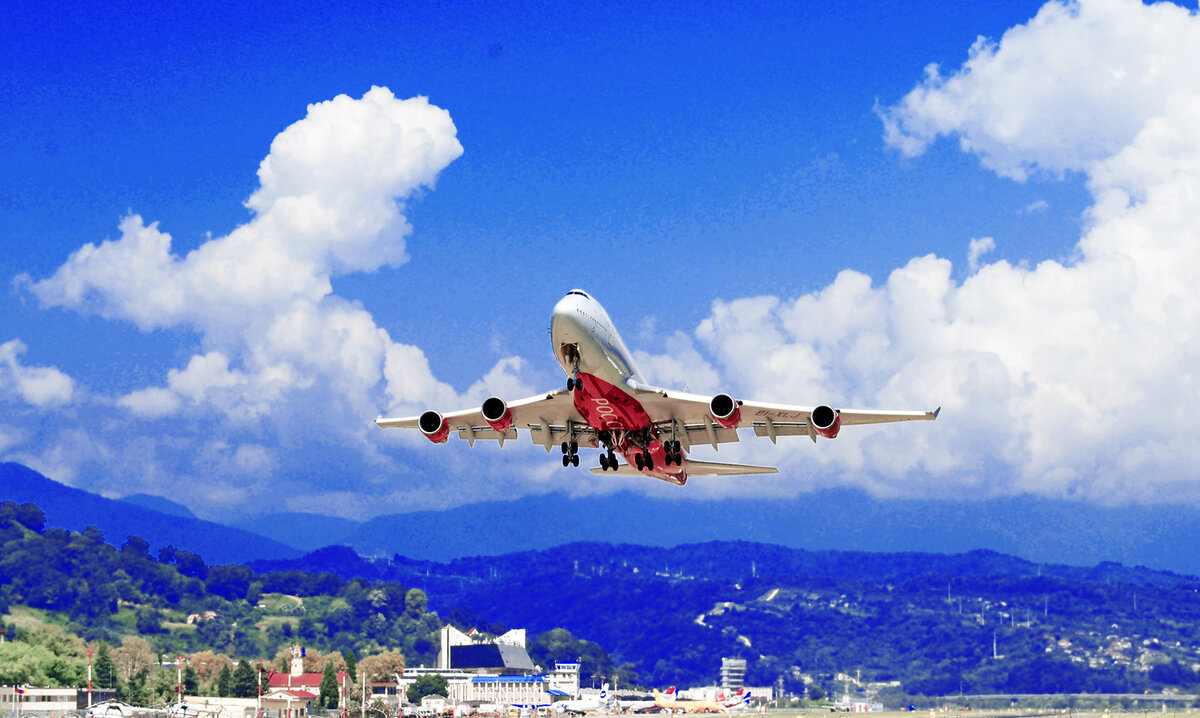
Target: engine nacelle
[497, 414]
[826, 421]
[434, 426]
[725, 411]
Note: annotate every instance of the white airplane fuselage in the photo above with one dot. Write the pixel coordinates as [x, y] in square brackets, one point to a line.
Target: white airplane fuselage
[597, 362]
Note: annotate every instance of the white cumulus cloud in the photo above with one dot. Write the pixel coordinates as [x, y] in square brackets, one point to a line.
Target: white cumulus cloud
[1063, 379]
[282, 360]
[41, 386]
[1072, 86]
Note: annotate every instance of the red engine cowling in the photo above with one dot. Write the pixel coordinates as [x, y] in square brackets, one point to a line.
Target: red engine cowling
[826, 421]
[434, 426]
[497, 414]
[725, 411]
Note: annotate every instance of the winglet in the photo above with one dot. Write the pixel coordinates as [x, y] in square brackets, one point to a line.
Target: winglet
[936, 412]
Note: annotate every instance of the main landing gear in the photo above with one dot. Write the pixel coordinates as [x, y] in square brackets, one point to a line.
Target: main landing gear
[608, 460]
[570, 452]
[644, 460]
[674, 453]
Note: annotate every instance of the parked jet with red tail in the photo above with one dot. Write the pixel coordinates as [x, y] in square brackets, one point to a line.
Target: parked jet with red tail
[607, 405]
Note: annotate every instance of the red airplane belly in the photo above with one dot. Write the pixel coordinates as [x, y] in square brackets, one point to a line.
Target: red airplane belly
[606, 407]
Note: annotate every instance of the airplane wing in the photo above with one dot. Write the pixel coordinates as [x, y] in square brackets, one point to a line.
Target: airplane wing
[689, 417]
[695, 467]
[550, 418]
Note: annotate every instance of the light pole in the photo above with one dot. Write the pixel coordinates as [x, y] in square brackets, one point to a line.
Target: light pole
[342, 697]
[259, 686]
[89, 678]
[179, 677]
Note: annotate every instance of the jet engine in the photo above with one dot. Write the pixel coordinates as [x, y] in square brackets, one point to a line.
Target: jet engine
[725, 411]
[434, 426]
[826, 421]
[497, 414]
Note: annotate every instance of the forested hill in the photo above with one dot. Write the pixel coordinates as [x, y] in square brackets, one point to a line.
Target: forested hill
[54, 583]
[994, 622]
[987, 622]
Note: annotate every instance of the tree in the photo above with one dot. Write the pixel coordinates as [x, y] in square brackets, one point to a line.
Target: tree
[104, 669]
[229, 582]
[133, 657]
[431, 685]
[149, 622]
[382, 667]
[136, 546]
[208, 665]
[351, 665]
[225, 682]
[329, 687]
[415, 602]
[31, 517]
[191, 680]
[245, 682]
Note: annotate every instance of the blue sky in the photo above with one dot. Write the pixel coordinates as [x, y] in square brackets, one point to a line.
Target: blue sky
[707, 173]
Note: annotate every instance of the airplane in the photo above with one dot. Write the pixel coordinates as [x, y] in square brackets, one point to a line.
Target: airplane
[671, 702]
[608, 405]
[582, 706]
[737, 701]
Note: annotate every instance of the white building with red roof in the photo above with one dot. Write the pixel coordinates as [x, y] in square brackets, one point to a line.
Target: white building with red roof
[295, 693]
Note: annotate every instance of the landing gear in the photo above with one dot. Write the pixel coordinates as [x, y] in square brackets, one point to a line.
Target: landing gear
[608, 461]
[570, 451]
[644, 461]
[674, 453]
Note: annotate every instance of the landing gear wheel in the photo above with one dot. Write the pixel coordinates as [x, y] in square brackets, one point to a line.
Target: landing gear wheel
[575, 459]
[637, 459]
[565, 447]
[676, 447]
[578, 383]
[604, 462]
[566, 460]
[649, 462]
[574, 447]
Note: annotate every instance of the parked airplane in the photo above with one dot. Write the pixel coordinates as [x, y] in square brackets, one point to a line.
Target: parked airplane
[583, 706]
[671, 702]
[608, 405]
[737, 701]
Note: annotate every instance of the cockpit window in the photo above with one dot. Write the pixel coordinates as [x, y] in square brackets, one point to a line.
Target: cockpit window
[580, 292]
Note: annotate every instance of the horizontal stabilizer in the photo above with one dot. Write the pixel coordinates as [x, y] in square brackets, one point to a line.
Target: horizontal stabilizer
[701, 468]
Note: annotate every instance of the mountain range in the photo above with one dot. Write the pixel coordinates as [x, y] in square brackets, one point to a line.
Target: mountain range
[75, 509]
[1035, 529]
